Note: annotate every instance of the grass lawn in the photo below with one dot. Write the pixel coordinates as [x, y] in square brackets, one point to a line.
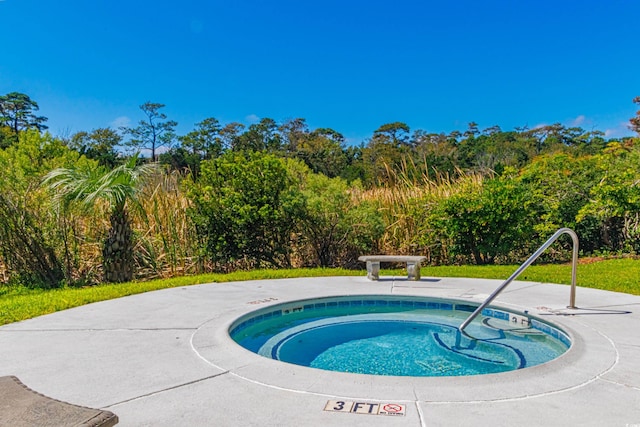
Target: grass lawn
[19, 303]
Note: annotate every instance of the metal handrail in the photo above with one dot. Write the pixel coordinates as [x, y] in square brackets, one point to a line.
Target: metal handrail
[527, 263]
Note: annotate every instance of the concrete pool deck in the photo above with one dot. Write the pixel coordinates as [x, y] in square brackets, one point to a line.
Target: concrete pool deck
[164, 358]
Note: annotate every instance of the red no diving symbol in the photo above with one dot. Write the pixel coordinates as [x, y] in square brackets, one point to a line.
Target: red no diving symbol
[392, 407]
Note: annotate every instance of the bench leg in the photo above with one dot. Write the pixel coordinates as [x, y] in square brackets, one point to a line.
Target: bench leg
[413, 270]
[373, 270]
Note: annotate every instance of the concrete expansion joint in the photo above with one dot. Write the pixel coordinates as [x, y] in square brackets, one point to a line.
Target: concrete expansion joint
[419, 409]
[96, 330]
[618, 383]
[157, 392]
[154, 329]
[512, 399]
[314, 393]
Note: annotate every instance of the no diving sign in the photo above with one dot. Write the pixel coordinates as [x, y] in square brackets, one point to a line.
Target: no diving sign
[393, 409]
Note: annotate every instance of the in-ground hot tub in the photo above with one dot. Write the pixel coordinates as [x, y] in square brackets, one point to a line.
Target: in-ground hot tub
[398, 336]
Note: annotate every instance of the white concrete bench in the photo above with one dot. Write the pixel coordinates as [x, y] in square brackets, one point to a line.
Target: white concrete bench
[373, 264]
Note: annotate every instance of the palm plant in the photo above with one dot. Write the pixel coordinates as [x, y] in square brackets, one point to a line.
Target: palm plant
[120, 188]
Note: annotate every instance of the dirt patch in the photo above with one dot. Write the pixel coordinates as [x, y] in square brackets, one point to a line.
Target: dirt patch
[591, 260]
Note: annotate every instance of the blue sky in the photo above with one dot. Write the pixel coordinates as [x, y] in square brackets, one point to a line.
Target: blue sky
[347, 65]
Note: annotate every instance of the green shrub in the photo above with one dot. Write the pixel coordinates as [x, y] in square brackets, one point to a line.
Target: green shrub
[30, 259]
[614, 200]
[335, 227]
[245, 207]
[487, 221]
[31, 242]
[561, 185]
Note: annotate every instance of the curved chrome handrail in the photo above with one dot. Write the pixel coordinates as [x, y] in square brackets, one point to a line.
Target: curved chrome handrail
[527, 263]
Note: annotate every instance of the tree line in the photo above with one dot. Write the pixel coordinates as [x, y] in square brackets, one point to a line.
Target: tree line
[140, 202]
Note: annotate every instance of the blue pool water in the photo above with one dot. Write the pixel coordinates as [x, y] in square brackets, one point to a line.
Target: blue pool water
[401, 336]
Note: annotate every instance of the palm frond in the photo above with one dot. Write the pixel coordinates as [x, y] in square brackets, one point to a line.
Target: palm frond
[72, 185]
[87, 186]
